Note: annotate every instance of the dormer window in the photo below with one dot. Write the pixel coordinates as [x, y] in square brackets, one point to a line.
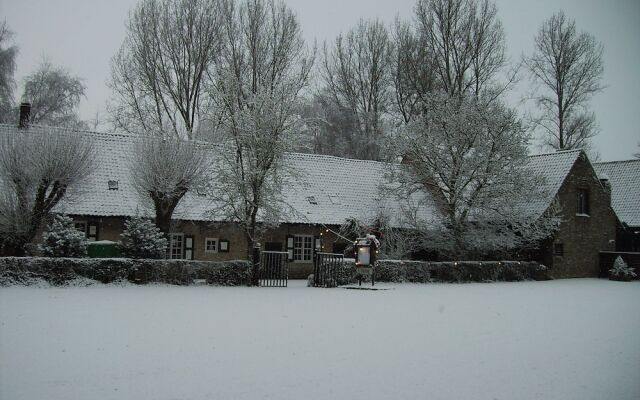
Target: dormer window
[201, 190]
[113, 185]
[334, 199]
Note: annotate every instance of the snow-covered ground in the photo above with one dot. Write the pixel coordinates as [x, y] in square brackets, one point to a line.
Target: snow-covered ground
[566, 339]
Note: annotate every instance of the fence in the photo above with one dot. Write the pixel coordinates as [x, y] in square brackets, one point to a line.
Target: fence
[326, 267]
[274, 269]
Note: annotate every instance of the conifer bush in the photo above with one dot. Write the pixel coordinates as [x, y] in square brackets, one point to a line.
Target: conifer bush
[621, 271]
[62, 239]
[141, 238]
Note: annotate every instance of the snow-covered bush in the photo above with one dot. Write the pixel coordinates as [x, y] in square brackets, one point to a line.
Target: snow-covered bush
[621, 271]
[142, 239]
[62, 239]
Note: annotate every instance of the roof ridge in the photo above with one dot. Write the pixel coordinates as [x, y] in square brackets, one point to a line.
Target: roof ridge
[617, 161]
[67, 129]
[553, 153]
[313, 155]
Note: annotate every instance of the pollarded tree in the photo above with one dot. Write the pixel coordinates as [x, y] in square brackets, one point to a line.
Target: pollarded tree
[567, 67]
[158, 76]
[263, 66]
[164, 169]
[7, 70]
[356, 72]
[468, 153]
[54, 95]
[38, 167]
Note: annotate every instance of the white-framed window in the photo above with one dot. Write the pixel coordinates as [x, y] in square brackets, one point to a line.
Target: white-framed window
[302, 248]
[211, 245]
[176, 246]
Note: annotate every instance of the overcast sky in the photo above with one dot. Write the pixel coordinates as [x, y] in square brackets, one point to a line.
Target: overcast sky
[82, 35]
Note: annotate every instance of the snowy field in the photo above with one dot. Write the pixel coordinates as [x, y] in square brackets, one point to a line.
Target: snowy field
[566, 339]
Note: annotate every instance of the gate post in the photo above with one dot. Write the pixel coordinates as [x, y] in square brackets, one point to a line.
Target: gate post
[256, 264]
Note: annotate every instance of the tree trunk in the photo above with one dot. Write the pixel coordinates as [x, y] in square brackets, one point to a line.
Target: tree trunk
[254, 259]
[163, 222]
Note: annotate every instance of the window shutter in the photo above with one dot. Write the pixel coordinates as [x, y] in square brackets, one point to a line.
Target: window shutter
[223, 246]
[317, 244]
[289, 247]
[188, 247]
[92, 232]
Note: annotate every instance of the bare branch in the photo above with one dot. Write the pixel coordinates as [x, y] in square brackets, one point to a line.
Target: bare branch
[567, 68]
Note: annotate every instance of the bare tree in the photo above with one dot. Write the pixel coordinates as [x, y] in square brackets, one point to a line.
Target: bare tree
[7, 70]
[330, 128]
[263, 66]
[54, 95]
[158, 76]
[413, 72]
[356, 71]
[466, 41]
[567, 66]
[468, 153]
[164, 169]
[38, 168]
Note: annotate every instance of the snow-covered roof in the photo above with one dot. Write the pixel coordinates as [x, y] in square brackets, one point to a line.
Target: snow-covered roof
[326, 189]
[323, 190]
[553, 168]
[624, 177]
[330, 190]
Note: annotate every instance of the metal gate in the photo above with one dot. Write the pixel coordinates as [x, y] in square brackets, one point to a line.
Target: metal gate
[274, 269]
[326, 267]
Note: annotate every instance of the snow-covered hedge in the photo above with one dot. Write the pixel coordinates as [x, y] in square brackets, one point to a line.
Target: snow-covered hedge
[59, 271]
[465, 271]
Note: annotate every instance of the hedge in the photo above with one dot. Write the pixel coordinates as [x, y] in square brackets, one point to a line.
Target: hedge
[453, 272]
[60, 271]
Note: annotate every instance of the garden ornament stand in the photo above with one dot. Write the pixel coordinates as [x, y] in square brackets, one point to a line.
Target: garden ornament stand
[366, 249]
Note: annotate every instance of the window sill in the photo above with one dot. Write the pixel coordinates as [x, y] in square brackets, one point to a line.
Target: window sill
[210, 252]
[583, 215]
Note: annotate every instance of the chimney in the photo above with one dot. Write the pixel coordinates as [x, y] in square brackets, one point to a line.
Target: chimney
[25, 115]
[606, 185]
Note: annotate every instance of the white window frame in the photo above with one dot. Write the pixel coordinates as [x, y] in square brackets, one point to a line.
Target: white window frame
[300, 248]
[206, 245]
[172, 247]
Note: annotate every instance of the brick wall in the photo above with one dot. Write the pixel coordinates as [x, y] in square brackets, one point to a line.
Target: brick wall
[582, 237]
[110, 228]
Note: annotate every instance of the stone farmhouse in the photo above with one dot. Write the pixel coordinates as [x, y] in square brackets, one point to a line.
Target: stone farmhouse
[588, 221]
[328, 191]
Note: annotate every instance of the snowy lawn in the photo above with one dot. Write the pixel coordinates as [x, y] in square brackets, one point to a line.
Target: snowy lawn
[566, 339]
